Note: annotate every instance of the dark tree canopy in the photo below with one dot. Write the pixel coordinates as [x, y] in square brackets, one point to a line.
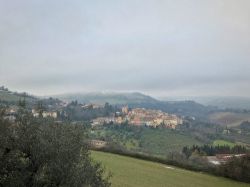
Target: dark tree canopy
[39, 152]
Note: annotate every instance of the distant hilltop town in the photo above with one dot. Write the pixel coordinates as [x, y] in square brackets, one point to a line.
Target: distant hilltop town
[141, 117]
[97, 114]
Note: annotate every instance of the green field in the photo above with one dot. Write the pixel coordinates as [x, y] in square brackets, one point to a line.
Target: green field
[163, 141]
[131, 172]
[223, 142]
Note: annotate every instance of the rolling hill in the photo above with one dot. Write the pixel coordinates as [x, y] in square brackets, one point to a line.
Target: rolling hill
[131, 172]
[226, 102]
[13, 97]
[112, 98]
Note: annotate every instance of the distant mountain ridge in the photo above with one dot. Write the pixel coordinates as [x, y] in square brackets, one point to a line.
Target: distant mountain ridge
[227, 102]
[112, 98]
[132, 99]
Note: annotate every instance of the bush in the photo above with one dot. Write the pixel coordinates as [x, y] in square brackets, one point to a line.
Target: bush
[237, 168]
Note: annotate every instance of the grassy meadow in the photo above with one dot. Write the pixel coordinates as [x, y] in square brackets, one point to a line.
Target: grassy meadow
[131, 172]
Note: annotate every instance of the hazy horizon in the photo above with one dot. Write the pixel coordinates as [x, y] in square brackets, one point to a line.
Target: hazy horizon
[162, 97]
[160, 48]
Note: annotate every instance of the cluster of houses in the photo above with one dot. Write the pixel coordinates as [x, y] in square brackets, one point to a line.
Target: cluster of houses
[222, 158]
[45, 114]
[11, 114]
[91, 106]
[50, 112]
[136, 116]
[142, 117]
[97, 143]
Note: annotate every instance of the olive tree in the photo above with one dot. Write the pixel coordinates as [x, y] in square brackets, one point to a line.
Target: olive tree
[40, 152]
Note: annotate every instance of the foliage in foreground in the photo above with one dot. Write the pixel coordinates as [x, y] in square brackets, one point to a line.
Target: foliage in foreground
[35, 152]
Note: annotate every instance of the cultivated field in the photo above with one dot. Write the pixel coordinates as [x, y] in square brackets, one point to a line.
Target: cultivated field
[130, 172]
[229, 118]
[158, 142]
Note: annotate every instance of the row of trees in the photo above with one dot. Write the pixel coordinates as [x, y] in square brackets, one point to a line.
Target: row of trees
[209, 150]
[40, 152]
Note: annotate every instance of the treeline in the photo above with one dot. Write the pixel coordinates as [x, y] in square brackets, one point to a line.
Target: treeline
[209, 150]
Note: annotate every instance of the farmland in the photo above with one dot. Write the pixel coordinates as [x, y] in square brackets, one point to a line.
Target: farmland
[229, 119]
[150, 141]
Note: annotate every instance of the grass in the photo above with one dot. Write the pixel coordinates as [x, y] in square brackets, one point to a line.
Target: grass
[223, 142]
[131, 172]
[163, 141]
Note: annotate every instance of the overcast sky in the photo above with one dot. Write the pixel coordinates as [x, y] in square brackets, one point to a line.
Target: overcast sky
[158, 47]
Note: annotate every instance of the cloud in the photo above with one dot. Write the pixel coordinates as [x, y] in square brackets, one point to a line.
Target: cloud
[172, 47]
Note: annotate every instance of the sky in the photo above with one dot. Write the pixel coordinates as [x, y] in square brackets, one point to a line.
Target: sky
[158, 47]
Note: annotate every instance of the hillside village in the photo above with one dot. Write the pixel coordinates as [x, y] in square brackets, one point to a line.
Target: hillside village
[136, 116]
[140, 117]
[97, 114]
